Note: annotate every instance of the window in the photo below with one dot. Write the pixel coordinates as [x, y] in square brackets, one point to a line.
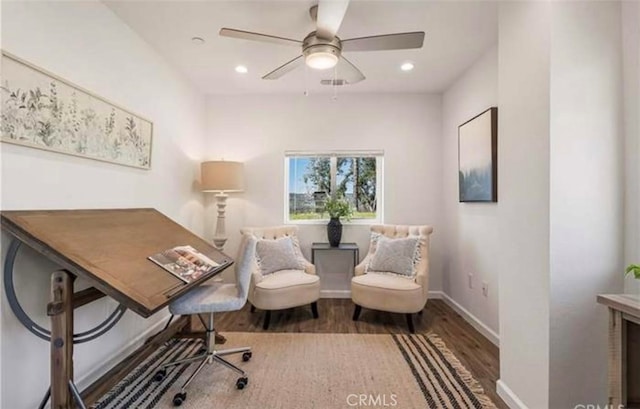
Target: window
[310, 178]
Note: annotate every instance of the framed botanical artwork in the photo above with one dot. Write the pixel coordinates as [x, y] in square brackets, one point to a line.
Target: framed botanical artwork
[41, 110]
[478, 158]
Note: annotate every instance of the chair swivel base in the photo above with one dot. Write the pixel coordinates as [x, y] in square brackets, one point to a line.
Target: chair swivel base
[206, 358]
[207, 355]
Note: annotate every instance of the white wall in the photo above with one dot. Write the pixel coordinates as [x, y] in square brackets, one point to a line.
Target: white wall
[631, 71]
[86, 43]
[560, 161]
[586, 204]
[523, 189]
[471, 241]
[258, 129]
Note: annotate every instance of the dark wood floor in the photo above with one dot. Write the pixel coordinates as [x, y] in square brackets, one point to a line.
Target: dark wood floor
[474, 351]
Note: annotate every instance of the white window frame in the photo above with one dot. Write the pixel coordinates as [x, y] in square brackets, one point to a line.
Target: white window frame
[333, 155]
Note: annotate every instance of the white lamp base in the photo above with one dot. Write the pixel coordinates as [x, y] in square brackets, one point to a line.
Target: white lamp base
[219, 237]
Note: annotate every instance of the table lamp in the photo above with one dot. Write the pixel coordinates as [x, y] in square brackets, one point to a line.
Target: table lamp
[221, 177]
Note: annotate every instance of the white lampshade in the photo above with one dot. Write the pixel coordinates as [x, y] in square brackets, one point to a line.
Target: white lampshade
[222, 176]
[321, 60]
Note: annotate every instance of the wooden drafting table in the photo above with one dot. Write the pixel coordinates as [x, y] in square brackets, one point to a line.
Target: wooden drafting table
[108, 248]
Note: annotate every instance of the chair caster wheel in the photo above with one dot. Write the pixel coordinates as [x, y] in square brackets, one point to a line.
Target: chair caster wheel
[242, 382]
[179, 398]
[246, 356]
[159, 376]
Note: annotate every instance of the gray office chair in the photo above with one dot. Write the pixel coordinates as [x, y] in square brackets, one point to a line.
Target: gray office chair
[209, 299]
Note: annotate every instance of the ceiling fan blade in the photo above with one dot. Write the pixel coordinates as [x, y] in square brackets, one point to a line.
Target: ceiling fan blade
[285, 68]
[398, 41]
[349, 72]
[265, 38]
[330, 15]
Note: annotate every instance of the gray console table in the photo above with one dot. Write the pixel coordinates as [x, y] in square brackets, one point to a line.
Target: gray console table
[343, 246]
[335, 268]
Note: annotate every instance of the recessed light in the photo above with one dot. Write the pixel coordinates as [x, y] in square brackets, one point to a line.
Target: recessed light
[406, 66]
[241, 69]
[197, 40]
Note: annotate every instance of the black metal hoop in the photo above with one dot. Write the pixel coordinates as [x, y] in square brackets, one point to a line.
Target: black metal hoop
[36, 329]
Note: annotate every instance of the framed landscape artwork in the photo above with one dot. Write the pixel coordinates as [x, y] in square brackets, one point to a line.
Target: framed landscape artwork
[41, 110]
[477, 158]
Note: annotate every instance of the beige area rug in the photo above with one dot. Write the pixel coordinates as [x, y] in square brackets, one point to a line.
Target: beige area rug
[321, 371]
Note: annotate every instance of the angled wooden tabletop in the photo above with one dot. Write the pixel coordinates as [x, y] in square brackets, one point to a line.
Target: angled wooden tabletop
[110, 248]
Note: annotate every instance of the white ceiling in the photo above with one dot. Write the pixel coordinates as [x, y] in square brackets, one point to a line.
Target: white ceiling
[457, 33]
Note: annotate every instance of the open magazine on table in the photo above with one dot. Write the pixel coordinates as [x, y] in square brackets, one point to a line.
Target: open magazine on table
[185, 262]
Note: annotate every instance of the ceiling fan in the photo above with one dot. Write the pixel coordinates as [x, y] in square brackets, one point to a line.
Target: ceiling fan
[322, 49]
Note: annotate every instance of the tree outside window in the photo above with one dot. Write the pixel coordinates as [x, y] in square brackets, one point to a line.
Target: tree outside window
[354, 177]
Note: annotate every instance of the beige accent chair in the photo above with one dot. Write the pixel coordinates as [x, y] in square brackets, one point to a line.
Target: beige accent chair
[285, 288]
[388, 291]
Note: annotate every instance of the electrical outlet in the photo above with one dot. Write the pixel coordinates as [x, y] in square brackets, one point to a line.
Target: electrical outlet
[485, 288]
[471, 280]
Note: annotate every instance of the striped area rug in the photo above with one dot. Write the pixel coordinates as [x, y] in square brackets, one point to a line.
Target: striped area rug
[138, 389]
[443, 380]
[310, 371]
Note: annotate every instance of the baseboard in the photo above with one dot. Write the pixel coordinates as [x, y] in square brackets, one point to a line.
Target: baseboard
[436, 295]
[487, 332]
[335, 293]
[102, 367]
[507, 395]
[347, 294]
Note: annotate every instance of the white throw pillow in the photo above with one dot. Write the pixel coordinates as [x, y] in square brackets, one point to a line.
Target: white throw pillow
[399, 256]
[276, 255]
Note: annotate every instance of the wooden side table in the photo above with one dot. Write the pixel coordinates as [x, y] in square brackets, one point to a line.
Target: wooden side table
[624, 349]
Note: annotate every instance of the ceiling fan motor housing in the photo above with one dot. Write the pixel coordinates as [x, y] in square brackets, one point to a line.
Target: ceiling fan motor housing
[312, 45]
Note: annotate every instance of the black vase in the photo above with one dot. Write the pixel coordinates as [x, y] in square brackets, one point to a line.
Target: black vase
[334, 231]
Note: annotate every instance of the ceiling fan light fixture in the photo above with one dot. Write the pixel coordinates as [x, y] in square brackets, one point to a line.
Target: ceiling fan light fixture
[321, 60]
[320, 54]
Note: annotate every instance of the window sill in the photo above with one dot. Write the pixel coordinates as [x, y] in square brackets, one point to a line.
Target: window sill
[354, 222]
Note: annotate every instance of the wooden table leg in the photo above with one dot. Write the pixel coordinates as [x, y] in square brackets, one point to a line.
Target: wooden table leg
[60, 309]
[617, 359]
